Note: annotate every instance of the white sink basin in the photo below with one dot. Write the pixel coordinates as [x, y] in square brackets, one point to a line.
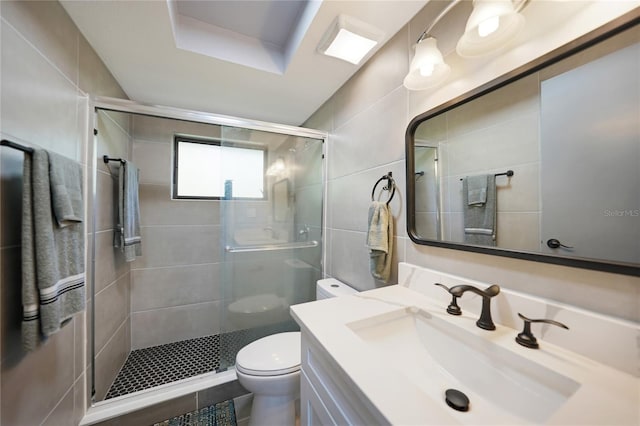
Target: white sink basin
[437, 355]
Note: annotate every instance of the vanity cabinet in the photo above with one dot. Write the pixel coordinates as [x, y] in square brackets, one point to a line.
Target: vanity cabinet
[327, 396]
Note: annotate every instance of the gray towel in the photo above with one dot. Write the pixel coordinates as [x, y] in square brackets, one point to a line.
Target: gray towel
[52, 245]
[480, 218]
[380, 240]
[476, 190]
[127, 235]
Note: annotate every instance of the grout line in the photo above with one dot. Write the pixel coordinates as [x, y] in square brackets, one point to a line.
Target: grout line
[106, 114]
[177, 266]
[114, 282]
[164, 226]
[402, 161]
[46, 58]
[166, 308]
[59, 402]
[110, 339]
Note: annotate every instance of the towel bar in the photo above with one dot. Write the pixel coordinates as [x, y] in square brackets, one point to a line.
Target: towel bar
[106, 159]
[270, 247]
[508, 173]
[17, 146]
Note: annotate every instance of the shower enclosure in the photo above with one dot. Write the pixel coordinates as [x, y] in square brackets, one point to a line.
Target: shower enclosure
[427, 191]
[231, 221]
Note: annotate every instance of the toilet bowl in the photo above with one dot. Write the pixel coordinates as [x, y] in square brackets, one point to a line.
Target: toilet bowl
[258, 310]
[272, 306]
[270, 368]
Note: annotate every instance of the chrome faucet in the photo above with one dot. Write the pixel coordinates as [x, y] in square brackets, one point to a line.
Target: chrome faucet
[303, 233]
[526, 337]
[485, 321]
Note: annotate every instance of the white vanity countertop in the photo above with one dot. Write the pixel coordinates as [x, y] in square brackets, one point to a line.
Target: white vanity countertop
[605, 395]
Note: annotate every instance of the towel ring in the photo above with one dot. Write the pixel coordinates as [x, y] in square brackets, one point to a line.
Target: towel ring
[391, 186]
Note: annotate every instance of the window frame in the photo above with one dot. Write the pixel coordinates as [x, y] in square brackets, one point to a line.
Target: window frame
[217, 142]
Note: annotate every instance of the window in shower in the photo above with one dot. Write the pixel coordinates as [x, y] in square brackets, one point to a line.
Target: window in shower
[204, 169]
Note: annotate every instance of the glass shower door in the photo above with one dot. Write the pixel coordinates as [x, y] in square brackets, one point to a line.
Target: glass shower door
[271, 245]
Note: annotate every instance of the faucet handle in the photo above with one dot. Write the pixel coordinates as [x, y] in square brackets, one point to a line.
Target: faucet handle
[526, 338]
[453, 307]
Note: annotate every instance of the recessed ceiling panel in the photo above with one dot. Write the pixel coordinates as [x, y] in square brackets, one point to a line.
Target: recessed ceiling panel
[271, 21]
[258, 34]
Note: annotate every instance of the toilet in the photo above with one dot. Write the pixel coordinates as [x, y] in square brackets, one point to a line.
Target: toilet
[272, 306]
[270, 368]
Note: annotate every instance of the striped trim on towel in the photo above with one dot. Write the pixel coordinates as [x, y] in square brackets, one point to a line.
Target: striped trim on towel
[30, 313]
[50, 294]
[132, 241]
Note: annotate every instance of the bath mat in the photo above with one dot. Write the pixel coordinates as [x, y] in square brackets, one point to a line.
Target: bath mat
[220, 414]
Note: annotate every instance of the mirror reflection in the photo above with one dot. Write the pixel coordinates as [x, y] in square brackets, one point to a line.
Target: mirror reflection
[548, 164]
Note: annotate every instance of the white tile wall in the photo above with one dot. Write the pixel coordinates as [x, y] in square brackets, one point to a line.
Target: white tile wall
[47, 70]
[160, 326]
[366, 120]
[174, 286]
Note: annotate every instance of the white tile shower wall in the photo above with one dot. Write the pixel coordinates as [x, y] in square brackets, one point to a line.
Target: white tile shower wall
[176, 289]
[374, 102]
[159, 326]
[47, 70]
[112, 278]
[616, 339]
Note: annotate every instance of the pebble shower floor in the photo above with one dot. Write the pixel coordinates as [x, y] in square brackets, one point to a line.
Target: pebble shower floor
[158, 365]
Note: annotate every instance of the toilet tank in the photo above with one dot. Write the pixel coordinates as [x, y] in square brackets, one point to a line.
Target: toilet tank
[330, 287]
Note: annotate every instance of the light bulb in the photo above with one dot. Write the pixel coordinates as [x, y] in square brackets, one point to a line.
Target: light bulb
[488, 26]
[426, 70]
[492, 25]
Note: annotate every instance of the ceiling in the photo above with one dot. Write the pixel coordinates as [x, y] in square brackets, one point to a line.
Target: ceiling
[249, 59]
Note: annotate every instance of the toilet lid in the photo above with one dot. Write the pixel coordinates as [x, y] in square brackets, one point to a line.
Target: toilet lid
[271, 356]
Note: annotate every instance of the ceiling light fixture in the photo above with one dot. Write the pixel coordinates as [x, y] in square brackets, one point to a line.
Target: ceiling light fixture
[349, 39]
[427, 68]
[491, 25]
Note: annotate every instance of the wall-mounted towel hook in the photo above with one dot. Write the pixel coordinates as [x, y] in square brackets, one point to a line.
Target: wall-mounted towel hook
[390, 186]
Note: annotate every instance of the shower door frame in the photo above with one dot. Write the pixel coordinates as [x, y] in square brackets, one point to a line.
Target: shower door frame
[126, 106]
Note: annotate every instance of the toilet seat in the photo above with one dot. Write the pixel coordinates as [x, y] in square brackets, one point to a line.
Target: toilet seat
[273, 355]
[256, 304]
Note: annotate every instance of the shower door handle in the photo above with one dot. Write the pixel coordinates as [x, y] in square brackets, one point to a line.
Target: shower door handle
[554, 244]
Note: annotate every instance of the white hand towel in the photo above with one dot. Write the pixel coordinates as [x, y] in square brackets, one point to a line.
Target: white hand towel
[380, 240]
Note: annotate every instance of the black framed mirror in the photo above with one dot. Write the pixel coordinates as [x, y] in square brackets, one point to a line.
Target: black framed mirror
[540, 164]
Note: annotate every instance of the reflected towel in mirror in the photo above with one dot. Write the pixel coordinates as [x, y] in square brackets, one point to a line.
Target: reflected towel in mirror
[480, 218]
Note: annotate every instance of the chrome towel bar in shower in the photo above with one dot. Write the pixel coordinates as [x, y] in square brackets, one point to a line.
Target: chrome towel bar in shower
[270, 247]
